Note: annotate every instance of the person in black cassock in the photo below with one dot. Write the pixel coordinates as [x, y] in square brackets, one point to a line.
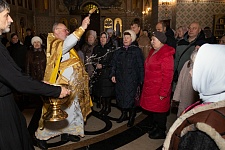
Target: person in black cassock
[13, 130]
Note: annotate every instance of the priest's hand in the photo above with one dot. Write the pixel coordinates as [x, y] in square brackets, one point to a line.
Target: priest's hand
[64, 92]
[85, 22]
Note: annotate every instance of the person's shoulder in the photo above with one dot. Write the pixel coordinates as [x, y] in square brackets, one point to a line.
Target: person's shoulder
[84, 46]
[56, 42]
[167, 50]
[182, 42]
[169, 32]
[134, 48]
[96, 48]
[144, 38]
[119, 49]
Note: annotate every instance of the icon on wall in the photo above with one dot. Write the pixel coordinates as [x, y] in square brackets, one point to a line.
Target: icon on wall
[108, 23]
[221, 21]
[118, 26]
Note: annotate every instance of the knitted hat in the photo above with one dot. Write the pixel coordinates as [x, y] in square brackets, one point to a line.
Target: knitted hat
[91, 32]
[160, 36]
[36, 38]
[133, 35]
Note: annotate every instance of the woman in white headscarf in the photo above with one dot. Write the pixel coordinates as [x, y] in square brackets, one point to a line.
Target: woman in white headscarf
[209, 73]
[203, 126]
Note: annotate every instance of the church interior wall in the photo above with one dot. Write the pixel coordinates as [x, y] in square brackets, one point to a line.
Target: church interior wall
[180, 12]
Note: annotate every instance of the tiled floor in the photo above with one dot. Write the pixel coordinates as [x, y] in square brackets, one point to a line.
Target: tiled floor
[144, 142]
[96, 124]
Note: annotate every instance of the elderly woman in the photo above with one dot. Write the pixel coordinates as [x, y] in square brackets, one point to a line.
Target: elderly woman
[35, 67]
[203, 126]
[103, 88]
[127, 74]
[36, 59]
[180, 33]
[156, 91]
[208, 77]
[87, 49]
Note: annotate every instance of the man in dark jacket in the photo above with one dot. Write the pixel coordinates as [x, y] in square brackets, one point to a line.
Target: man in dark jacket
[161, 27]
[142, 40]
[27, 41]
[186, 46]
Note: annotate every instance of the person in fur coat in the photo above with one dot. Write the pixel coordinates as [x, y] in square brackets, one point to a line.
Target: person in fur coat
[202, 126]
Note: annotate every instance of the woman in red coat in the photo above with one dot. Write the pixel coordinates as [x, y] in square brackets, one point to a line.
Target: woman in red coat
[155, 98]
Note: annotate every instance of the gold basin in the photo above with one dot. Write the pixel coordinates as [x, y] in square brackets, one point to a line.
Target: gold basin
[54, 112]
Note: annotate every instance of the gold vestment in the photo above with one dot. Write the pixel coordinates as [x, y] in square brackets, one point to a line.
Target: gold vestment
[53, 74]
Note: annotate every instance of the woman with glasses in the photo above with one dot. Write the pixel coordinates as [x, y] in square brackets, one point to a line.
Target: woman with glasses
[87, 49]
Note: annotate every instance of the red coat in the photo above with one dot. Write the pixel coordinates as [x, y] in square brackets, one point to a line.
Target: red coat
[159, 69]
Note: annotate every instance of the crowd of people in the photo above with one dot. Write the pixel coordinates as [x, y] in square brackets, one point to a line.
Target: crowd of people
[167, 66]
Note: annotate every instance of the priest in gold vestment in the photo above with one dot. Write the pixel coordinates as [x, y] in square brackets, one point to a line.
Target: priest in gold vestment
[65, 66]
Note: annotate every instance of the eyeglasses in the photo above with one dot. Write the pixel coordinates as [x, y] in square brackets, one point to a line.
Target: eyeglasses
[66, 30]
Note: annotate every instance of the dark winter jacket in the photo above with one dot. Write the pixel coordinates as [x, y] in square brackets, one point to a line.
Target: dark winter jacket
[128, 69]
[103, 86]
[18, 53]
[182, 45]
[27, 41]
[171, 41]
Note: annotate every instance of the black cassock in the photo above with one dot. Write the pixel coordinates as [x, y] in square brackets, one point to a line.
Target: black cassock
[13, 129]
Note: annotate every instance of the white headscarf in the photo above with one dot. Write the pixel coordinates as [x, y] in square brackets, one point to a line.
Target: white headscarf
[209, 73]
